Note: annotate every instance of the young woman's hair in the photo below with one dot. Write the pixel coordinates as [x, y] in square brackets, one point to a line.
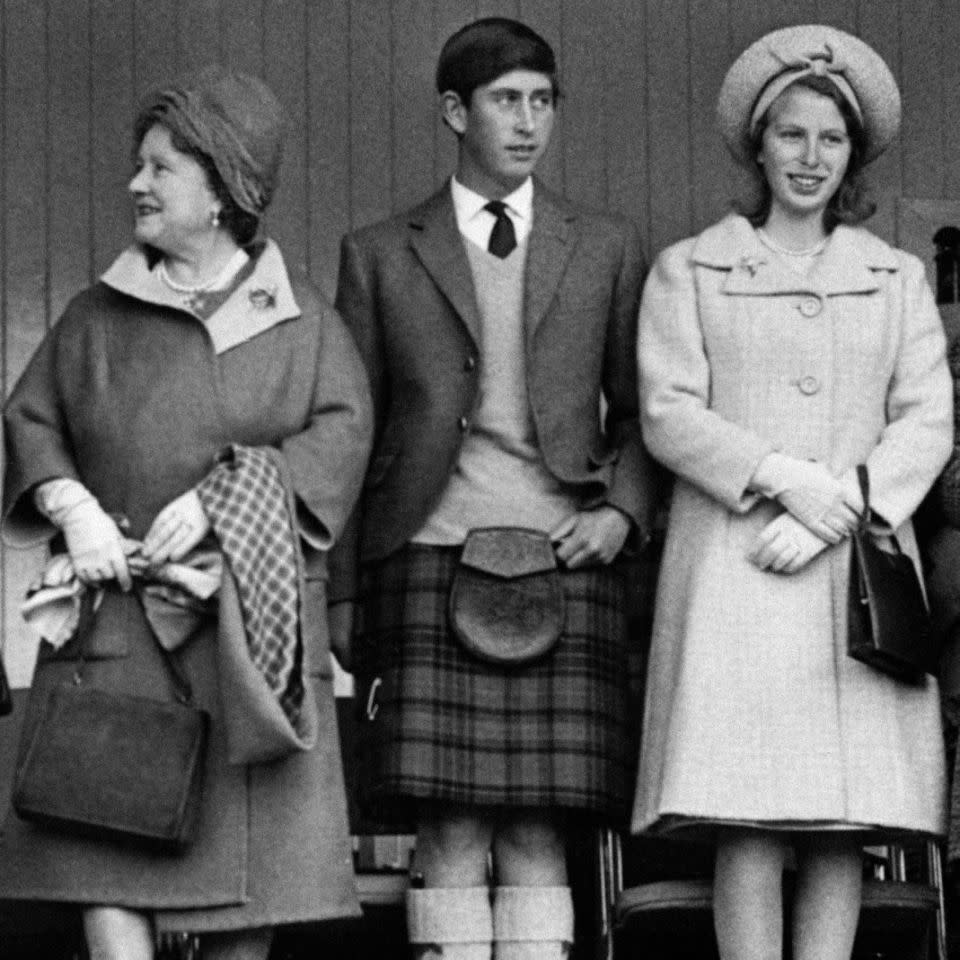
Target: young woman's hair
[851, 204]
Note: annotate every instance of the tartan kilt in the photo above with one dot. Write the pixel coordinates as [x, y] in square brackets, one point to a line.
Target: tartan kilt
[438, 724]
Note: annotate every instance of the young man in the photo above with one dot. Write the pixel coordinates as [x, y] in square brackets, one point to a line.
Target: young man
[492, 332]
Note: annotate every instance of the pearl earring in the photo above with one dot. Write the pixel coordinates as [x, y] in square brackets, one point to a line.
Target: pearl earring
[215, 218]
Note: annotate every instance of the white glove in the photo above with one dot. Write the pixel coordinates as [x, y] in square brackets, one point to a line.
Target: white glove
[809, 492]
[94, 541]
[176, 530]
[785, 545]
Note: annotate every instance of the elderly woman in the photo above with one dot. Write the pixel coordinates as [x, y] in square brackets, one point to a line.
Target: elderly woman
[197, 347]
[778, 351]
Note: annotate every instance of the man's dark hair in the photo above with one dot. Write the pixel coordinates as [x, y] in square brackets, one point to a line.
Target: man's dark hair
[486, 49]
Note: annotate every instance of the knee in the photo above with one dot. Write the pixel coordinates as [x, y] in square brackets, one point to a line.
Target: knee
[113, 933]
[530, 852]
[453, 850]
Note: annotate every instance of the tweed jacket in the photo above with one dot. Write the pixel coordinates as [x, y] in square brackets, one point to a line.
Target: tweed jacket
[754, 712]
[406, 292]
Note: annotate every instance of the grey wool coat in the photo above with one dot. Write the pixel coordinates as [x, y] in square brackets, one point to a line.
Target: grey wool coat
[754, 712]
[134, 398]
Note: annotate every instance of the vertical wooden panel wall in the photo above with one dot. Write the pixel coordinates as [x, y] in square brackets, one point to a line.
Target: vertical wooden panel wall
[636, 129]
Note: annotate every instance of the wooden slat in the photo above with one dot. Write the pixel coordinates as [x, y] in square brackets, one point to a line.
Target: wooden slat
[24, 259]
[923, 92]
[371, 149]
[68, 192]
[328, 112]
[585, 104]
[668, 120]
[414, 99]
[242, 34]
[155, 44]
[198, 34]
[498, 8]
[838, 13]
[714, 183]
[950, 77]
[879, 25]
[113, 105]
[628, 185]
[285, 26]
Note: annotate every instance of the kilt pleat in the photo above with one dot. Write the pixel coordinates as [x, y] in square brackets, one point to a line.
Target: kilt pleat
[438, 724]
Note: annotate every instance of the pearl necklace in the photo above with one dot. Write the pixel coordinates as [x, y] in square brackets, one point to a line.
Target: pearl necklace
[765, 239]
[183, 288]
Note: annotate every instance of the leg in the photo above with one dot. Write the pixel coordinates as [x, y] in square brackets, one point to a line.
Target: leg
[453, 848]
[532, 906]
[748, 895]
[449, 917]
[115, 933]
[827, 904]
[250, 944]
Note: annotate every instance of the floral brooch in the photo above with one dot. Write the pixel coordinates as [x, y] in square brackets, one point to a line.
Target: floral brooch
[262, 298]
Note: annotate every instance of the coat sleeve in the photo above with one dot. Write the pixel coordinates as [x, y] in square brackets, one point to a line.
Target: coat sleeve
[632, 487]
[917, 440]
[328, 458]
[356, 304]
[679, 428]
[36, 444]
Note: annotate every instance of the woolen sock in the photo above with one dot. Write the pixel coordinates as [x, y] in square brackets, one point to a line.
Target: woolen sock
[453, 923]
[532, 923]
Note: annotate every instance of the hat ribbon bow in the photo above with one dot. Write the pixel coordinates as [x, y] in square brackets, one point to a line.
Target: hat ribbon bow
[827, 64]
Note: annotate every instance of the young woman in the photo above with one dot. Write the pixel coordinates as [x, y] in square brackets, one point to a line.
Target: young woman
[778, 351]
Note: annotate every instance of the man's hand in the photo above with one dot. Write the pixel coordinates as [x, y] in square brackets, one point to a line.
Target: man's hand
[591, 537]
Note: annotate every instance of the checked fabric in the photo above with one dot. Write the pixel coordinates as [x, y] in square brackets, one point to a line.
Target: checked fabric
[245, 499]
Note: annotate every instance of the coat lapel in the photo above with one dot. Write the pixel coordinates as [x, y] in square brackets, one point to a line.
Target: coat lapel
[437, 242]
[550, 246]
[849, 263]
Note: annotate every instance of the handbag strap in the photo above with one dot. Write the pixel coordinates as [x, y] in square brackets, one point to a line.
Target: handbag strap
[182, 688]
[864, 478]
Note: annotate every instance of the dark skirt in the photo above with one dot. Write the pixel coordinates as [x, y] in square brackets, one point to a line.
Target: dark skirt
[438, 724]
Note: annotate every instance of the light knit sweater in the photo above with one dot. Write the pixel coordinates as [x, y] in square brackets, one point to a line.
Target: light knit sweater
[500, 478]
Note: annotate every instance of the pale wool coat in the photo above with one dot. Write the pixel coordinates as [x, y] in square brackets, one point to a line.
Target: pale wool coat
[754, 711]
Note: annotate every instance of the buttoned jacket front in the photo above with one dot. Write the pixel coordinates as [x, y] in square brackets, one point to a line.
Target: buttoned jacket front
[754, 711]
[406, 292]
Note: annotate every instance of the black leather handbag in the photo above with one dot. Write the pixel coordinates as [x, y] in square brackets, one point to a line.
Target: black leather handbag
[506, 601]
[889, 624]
[109, 764]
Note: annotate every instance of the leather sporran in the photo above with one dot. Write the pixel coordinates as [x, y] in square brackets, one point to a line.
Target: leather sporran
[506, 601]
[108, 764]
[889, 624]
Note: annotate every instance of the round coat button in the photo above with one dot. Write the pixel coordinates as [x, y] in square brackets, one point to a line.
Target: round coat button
[809, 385]
[810, 306]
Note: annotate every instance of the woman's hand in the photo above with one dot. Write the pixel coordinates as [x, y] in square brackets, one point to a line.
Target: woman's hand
[176, 530]
[808, 491]
[590, 537]
[95, 544]
[785, 545]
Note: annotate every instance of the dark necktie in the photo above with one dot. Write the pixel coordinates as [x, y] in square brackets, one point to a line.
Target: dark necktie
[503, 239]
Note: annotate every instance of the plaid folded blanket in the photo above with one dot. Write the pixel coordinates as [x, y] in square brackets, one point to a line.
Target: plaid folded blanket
[252, 514]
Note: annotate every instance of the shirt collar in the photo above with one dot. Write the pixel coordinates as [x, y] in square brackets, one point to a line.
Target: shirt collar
[261, 301]
[467, 203]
